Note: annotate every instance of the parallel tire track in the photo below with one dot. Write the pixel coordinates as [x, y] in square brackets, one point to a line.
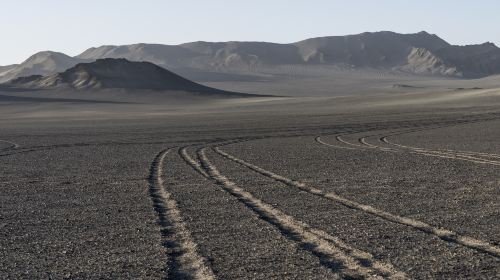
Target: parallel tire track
[193, 163]
[19, 150]
[450, 155]
[491, 155]
[385, 140]
[184, 260]
[412, 129]
[339, 139]
[444, 234]
[332, 252]
[472, 153]
[363, 141]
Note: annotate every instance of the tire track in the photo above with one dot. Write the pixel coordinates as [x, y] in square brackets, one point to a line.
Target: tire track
[318, 139]
[339, 139]
[184, 260]
[385, 140]
[31, 149]
[449, 155]
[434, 153]
[13, 146]
[471, 153]
[444, 234]
[424, 127]
[193, 163]
[332, 252]
[363, 141]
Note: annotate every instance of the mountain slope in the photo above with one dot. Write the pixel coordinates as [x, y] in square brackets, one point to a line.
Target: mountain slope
[7, 67]
[420, 53]
[111, 74]
[162, 55]
[380, 49]
[424, 61]
[42, 63]
[473, 60]
[376, 50]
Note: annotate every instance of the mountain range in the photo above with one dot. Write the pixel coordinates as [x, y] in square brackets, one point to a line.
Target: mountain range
[421, 53]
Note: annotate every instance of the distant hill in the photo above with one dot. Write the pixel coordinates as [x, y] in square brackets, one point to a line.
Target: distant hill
[42, 63]
[420, 53]
[113, 74]
[7, 67]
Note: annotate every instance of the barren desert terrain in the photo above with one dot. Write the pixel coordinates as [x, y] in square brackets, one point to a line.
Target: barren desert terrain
[146, 185]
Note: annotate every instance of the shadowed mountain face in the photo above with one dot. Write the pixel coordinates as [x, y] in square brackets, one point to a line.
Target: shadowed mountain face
[473, 61]
[421, 53]
[112, 73]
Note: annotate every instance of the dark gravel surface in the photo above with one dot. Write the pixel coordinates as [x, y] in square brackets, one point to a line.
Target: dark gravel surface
[388, 242]
[78, 213]
[477, 137]
[235, 241]
[458, 195]
[75, 201]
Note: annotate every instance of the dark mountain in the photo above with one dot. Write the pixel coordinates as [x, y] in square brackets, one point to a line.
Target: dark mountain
[474, 60]
[111, 74]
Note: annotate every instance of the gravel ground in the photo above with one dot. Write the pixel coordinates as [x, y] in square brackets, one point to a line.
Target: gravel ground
[78, 198]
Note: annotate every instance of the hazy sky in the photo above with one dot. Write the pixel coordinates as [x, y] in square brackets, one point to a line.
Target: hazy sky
[71, 26]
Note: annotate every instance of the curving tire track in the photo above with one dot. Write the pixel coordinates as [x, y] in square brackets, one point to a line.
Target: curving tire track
[341, 140]
[318, 139]
[364, 145]
[13, 146]
[19, 150]
[444, 234]
[363, 141]
[193, 163]
[349, 262]
[184, 260]
[492, 155]
[436, 153]
[430, 126]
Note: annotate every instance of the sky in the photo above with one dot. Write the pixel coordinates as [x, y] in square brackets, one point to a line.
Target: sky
[72, 26]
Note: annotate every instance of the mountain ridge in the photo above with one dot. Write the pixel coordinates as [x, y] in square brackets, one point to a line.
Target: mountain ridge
[41, 63]
[418, 53]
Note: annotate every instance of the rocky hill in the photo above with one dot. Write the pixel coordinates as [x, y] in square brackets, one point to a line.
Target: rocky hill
[112, 74]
